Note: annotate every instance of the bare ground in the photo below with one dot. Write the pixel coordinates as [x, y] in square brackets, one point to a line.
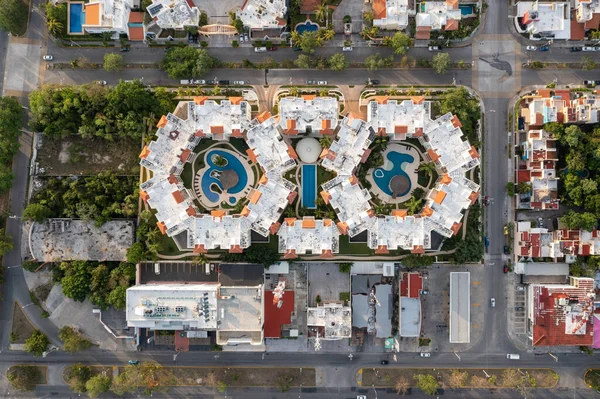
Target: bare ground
[21, 327]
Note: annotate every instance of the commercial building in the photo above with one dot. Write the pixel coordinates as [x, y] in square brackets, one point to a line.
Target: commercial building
[460, 307]
[116, 17]
[437, 15]
[410, 317]
[372, 305]
[391, 14]
[561, 314]
[329, 321]
[174, 14]
[543, 20]
[308, 114]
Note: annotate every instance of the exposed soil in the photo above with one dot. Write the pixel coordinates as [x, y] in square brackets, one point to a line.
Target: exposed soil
[77, 156]
[21, 327]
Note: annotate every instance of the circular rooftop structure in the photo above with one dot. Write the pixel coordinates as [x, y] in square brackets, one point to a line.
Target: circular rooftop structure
[399, 185]
[308, 150]
[229, 178]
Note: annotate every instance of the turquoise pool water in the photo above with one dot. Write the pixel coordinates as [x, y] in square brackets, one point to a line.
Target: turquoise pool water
[307, 26]
[466, 10]
[76, 17]
[309, 186]
[383, 177]
[232, 163]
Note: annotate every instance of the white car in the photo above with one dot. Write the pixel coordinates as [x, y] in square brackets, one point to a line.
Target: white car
[530, 48]
[425, 354]
[434, 48]
[101, 82]
[48, 58]
[241, 38]
[322, 83]
[346, 48]
[520, 288]
[260, 49]
[238, 82]
[590, 49]
[199, 82]
[493, 302]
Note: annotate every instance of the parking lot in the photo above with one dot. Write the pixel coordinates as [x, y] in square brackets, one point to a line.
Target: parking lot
[175, 272]
[436, 307]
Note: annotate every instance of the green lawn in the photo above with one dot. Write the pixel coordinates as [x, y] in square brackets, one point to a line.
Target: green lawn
[348, 248]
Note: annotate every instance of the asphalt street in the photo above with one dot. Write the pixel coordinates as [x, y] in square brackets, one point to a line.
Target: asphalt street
[489, 352]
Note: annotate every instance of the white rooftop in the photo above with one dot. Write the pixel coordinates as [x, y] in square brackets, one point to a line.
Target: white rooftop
[263, 14]
[396, 14]
[174, 14]
[214, 232]
[308, 235]
[334, 320]
[398, 119]
[436, 14]
[274, 198]
[296, 114]
[172, 306]
[240, 315]
[410, 317]
[396, 232]
[219, 120]
[350, 202]
[547, 19]
[112, 14]
[346, 152]
[268, 146]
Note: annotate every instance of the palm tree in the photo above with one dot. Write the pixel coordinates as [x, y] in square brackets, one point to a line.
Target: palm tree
[381, 142]
[380, 209]
[323, 93]
[427, 167]
[294, 91]
[413, 205]
[322, 12]
[295, 38]
[219, 161]
[328, 34]
[200, 260]
[55, 27]
[325, 141]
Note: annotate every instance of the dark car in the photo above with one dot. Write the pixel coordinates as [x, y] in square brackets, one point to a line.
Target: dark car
[311, 82]
[506, 252]
[518, 308]
[505, 269]
[124, 49]
[574, 49]
[133, 362]
[385, 362]
[375, 81]
[544, 48]
[210, 82]
[223, 82]
[486, 241]
[271, 48]
[296, 49]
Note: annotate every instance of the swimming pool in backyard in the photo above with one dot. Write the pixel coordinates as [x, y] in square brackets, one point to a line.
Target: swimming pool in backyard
[466, 10]
[309, 186]
[208, 178]
[76, 18]
[383, 177]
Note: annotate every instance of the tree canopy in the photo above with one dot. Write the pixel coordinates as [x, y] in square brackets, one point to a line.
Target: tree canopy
[400, 42]
[187, 62]
[23, 378]
[338, 62]
[147, 376]
[73, 340]
[37, 343]
[37, 212]
[13, 16]
[441, 62]
[584, 220]
[466, 107]
[97, 384]
[123, 111]
[427, 383]
[113, 62]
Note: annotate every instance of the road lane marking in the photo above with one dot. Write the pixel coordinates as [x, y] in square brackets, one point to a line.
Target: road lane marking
[476, 282]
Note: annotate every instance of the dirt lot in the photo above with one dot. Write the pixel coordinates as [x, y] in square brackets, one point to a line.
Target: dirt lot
[77, 156]
[21, 327]
[460, 378]
[43, 373]
[242, 377]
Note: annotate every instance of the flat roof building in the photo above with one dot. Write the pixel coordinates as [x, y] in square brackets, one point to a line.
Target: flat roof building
[174, 14]
[398, 120]
[460, 307]
[240, 315]
[329, 321]
[114, 16]
[308, 114]
[561, 314]
[588, 13]
[437, 15]
[544, 20]
[391, 14]
[410, 318]
[308, 236]
[263, 14]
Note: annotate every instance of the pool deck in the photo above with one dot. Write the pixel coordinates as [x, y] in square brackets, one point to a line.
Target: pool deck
[409, 168]
[69, 18]
[224, 196]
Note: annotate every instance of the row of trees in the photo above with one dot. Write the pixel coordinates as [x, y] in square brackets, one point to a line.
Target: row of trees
[11, 120]
[100, 198]
[13, 16]
[188, 62]
[126, 110]
[104, 284]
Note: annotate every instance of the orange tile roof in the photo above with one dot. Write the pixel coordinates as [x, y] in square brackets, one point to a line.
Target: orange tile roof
[382, 249]
[423, 33]
[172, 179]
[309, 223]
[473, 197]
[145, 152]
[245, 211]
[379, 9]
[544, 93]
[291, 152]
[327, 222]
[162, 122]
[342, 227]
[326, 196]
[593, 23]
[191, 211]
[251, 155]
[309, 6]
[418, 100]
[144, 195]
[427, 211]
[263, 117]
[263, 179]
[236, 249]
[451, 24]
[439, 197]
[289, 221]
[178, 196]
[217, 129]
[199, 133]
[326, 254]
[446, 179]
[353, 115]
[399, 213]
[324, 153]
[274, 228]
[577, 30]
[326, 127]
[309, 97]
[433, 155]
[200, 100]
[418, 249]
[236, 133]
[199, 249]
[456, 121]
[400, 129]
[381, 99]
[254, 196]
[185, 154]
[292, 196]
[473, 152]
[235, 100]
[162, 227]
[452, 4]
[136, 17]
[135, 33]
[290, 254]
[92, 14]
[218, 213]
[290, 127]
[456, 227]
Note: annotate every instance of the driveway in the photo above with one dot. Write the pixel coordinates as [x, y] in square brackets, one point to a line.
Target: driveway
[354, 8]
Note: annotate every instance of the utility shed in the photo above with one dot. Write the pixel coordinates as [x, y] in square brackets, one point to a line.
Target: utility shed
[460, 307]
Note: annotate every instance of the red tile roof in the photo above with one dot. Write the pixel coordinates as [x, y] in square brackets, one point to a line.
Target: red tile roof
[410, 285]
[276, 317]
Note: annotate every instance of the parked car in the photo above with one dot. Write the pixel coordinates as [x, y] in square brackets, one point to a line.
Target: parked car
[199, 81]
[184, 82]
[425, 354]
[246, 37]
[486, 241]
[296, 49]
[434, 48]
[384, 362]
[124, 49]
[373, 82]
[346, 48]
[223, 82]
[590, 49]
[597, 82]
[241, 38]
[505, 268]
[133, 362]
[505, 230]
[271, 48]
[512, 356]
[424, 292]
[530, 48]
[48, 58]
[575, 49]
[493, 302]
[506, 250]
[520, 288]
[544, 48]
[238, 82]
[101, 82]
[311, 82]
[589, 83]
[519, 308]
[322, 83]
[211, 82]
[260, 49]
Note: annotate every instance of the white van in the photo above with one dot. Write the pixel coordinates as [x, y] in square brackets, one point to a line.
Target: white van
[207, 268]
[184, 82]
[513, 356]
[157, 268]
[260, 49]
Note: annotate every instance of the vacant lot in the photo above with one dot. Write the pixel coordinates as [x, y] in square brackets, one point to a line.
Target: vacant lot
[94, 369]
[462, 378]
[21, 327]
[78, 156]
[43, 372]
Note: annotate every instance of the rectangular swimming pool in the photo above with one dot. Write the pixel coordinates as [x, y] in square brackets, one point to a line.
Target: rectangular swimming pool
[309, 186]
[76, 17]
[466, 10]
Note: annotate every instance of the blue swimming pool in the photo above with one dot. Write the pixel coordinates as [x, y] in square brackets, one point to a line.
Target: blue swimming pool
[309, 186]
[466, 10]
[233, 163]
[307, 26]
[76, 17]
[383, 177]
